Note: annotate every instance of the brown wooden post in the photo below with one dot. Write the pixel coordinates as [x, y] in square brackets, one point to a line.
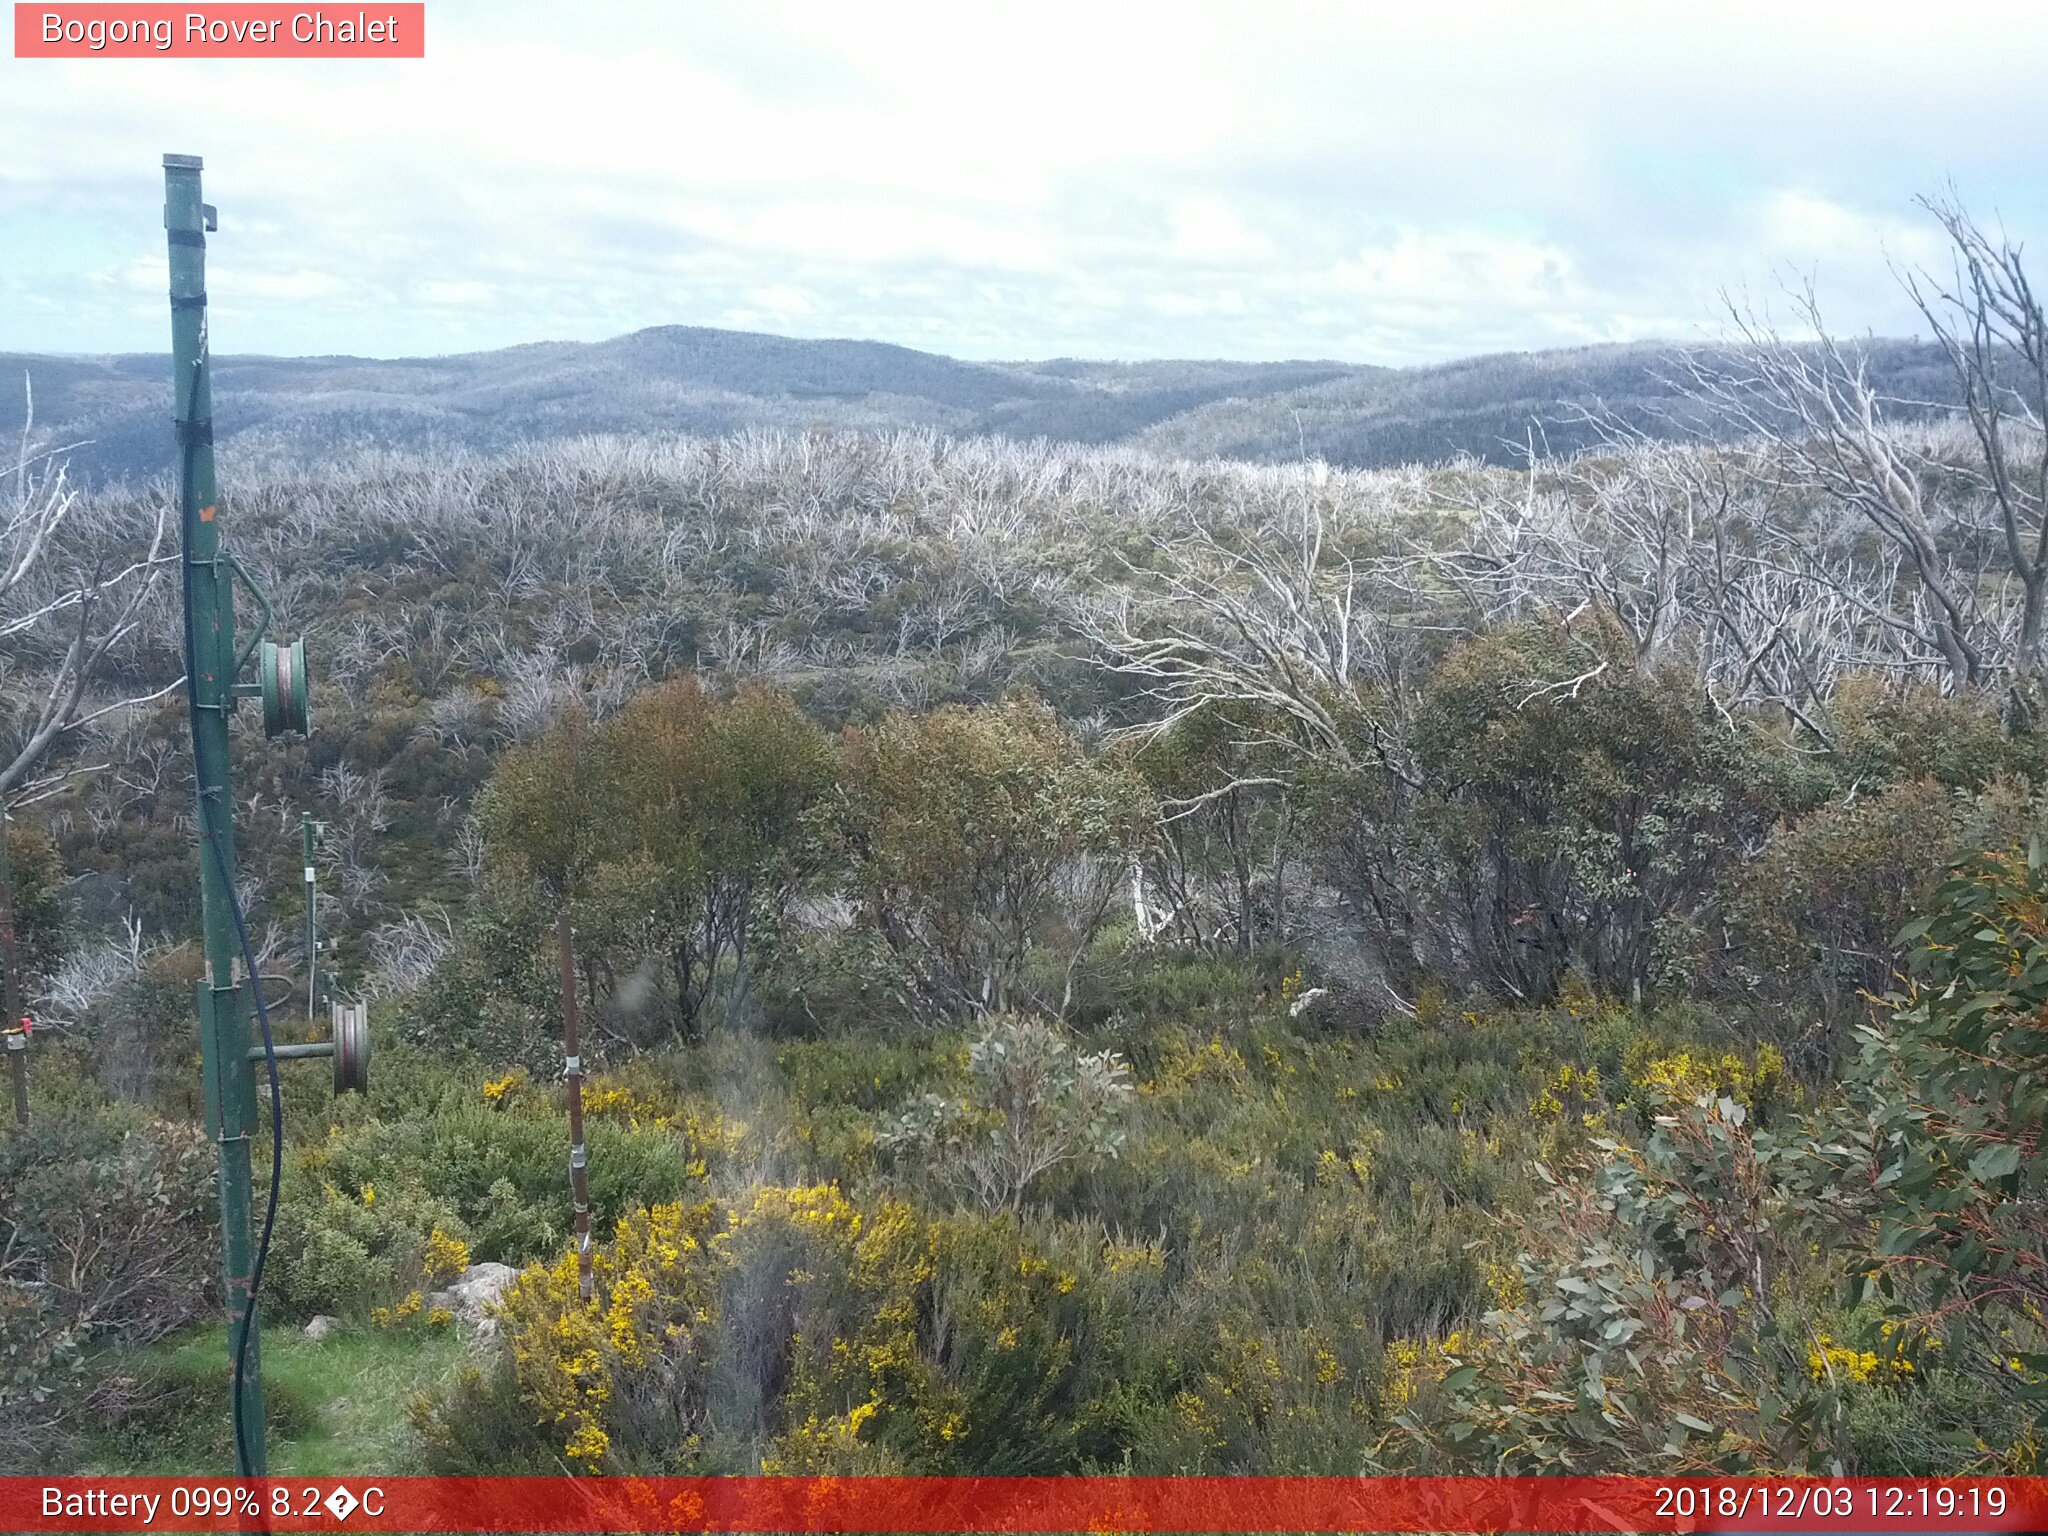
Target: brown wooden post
[579, 1182]
[10, 984]
[17, 1068]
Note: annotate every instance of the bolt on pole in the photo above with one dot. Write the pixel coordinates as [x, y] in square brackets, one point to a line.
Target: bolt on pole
[211, 665]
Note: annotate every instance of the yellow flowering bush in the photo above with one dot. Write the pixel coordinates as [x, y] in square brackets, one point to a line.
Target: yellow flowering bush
[1569, 1092]
[837, 1338]
[1827, 1360]
[446, 1257]
[605, 1095]
[1411, 1364]
[1188, 1065]
[1902, 1351]
[405, 1311]
[1682, 1077]
[651, 1294]
[1121, 1258]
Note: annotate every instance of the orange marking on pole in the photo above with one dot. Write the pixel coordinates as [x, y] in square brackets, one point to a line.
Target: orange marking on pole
[206, 514]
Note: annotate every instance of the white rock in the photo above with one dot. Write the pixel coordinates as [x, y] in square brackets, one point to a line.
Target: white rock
[471, 1295]
[321, 1326]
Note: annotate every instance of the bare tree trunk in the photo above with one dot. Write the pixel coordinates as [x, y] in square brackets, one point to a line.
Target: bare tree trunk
[1241, 862]
[579, 1182]
[1280, 844]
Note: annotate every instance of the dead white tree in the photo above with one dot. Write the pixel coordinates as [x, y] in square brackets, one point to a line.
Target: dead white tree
[1832, 434]
[404, 953]
[90, 973]
[1271, 620]
[1616, 530]
[71, 590]
[1270, 625]
[74, 579]
[1989, 322]
[1688, 552]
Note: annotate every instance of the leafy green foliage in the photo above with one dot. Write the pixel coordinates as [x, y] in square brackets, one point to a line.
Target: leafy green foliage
[1635, 1331]
[1568, 812]
[343, 1253]
[678, 833]
[1033, 1103]
[42, 916]
[1895, 736]
[1815, 918]
[552, 805]
[496, 992]
[1941, 1135]
[110, 1210]
[362, 1204]
[719, 813]
[985, 846]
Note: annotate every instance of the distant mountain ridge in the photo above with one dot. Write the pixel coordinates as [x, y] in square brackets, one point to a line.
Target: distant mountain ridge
[695, 379]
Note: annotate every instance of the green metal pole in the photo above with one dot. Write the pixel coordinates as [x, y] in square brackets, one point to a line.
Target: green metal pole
[210, 659]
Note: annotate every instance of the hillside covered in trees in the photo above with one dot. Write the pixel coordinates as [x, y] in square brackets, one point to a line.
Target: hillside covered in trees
[1091, 960]
[275, 411]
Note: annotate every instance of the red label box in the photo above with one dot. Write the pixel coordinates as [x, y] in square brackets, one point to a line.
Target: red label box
[234, 31]
[1021, 1506]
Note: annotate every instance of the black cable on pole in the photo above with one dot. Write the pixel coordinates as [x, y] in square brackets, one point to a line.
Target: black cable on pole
[276, 1145]
[243, 1461]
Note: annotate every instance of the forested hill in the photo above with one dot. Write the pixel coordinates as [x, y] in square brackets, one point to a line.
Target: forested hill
[668, 378]
[691, 379]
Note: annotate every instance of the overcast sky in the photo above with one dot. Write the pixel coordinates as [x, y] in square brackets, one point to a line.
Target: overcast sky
[1397, 182]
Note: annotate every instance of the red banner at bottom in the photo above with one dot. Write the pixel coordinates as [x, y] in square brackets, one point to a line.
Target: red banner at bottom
[1024, 1504]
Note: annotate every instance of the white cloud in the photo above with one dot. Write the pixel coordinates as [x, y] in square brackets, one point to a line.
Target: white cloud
[1209, 232]
[296, 287]
[1303, 178]
[1804, 227]
[1457, 267]
[460, 292]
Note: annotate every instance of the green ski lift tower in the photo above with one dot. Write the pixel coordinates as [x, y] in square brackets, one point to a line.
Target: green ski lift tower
[213, 669]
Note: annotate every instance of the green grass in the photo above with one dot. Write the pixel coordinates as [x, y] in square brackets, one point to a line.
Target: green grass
[335, 1408]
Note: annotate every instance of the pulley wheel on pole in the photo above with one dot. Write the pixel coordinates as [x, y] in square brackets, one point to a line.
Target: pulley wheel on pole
[351, 1047]
[286, 706]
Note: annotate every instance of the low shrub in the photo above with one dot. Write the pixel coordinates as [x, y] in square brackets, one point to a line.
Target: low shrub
[1033, 1103]
[1634, 1329]
[108, 1232]
[497, 1167]
[346, 1252]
